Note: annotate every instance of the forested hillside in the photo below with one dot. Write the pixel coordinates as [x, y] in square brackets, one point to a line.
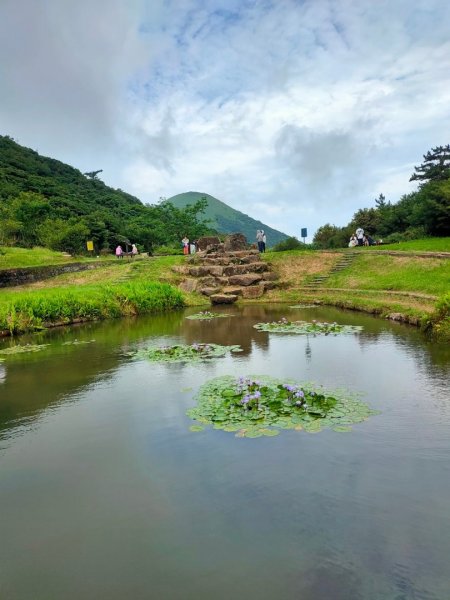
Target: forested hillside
[419, 214]
[225, 219]
[46, 202]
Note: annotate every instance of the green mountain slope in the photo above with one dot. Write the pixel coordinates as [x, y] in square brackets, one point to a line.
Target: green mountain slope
[225, 219]
[48, 203]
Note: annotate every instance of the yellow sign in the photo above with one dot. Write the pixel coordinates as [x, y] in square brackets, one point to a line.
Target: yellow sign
[90, 246]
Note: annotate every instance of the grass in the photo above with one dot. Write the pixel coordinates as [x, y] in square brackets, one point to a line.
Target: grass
[14, 258]
[394, 273]
[425, 245]
[36, 309]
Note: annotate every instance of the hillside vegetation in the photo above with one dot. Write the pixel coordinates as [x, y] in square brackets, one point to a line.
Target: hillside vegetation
[45, 202]
[225, 219]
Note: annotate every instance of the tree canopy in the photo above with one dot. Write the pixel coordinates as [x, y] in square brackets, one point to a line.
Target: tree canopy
[425, 212]
[46, 202]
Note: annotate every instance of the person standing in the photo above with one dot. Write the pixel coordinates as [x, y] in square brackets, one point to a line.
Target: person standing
[264, 240]
[185, 242]
[360, 236]
[259, 239]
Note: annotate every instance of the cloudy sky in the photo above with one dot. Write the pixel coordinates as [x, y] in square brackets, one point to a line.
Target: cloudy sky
[296, 112]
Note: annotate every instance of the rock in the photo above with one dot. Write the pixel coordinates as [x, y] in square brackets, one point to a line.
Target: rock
[204, 242]
[232, 289]
[245, 280]
[209, 291]
[235, 241]
[270, 276]
[253, 291]
[241, 269]
[214, 249]
[198, 271]
[189, 285]
[215, 271]
[223, 298]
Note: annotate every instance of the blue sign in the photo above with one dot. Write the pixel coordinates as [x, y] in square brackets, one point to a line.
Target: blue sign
[304, 232]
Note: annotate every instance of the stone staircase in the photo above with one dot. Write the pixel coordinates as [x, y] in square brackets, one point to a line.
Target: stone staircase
[346, 260]
[226, 271]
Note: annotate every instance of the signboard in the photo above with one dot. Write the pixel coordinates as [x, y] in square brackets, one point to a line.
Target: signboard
[304, 232]
[90, 246]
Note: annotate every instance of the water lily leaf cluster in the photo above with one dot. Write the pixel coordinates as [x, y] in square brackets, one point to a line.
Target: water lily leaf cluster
[262, 406]
[305, 327]
[207, 315]
[304, 306]
[77, 342]
[186, 353]
[23, 349]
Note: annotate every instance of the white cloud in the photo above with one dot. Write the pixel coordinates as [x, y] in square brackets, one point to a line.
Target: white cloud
[295, 113]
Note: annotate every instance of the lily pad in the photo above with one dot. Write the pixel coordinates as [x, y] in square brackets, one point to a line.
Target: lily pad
[23, 349]
[306, 327]
[185, 353]
[207, 315]
[262, 406]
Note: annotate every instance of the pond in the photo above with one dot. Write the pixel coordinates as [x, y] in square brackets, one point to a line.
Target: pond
[105, 492]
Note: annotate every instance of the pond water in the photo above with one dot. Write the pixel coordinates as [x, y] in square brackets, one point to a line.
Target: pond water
[106, 493]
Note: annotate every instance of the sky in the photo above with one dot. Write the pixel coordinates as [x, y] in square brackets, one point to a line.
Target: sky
[295, 112]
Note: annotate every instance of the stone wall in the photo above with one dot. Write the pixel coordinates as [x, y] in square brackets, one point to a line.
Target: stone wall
[22, 276]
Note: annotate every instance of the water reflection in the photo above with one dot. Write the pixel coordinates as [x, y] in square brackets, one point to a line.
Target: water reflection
[100, 466]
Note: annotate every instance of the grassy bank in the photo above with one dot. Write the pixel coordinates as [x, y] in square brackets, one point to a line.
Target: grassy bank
[33, 310]
[409, 288]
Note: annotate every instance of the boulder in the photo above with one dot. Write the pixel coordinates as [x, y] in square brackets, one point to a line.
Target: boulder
[189, 285]
[198, 271]
[204, 242]
[253, 291]
[232, 289]
[235, 241]
[245, 280]
[215, 271]
[209, 291]
[223, 298]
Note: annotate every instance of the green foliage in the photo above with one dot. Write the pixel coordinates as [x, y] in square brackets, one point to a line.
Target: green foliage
[291, 243]
[435, 166]
[415, 215]
[224, 219]
[185, 353]
[207, 315]
[261, 406]
[36, 192]
[33, 310]
[304, 327]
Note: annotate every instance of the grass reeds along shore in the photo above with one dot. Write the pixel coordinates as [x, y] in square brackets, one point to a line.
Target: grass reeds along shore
[35, 310]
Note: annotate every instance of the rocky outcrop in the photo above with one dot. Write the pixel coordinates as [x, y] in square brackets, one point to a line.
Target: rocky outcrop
[226, 271]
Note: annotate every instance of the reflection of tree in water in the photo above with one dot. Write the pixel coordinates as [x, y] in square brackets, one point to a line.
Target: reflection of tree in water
[34, 383]
[431, 357]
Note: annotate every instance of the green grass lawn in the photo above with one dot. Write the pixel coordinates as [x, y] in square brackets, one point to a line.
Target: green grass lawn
[394, 273]
[425, 245]
[14, 258]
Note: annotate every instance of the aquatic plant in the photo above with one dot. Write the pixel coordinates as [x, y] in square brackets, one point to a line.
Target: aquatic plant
[207, 315]
[314, 327]
[304, 306]
[261, 406]
[186, 353]
[77, 342]
[23, 349]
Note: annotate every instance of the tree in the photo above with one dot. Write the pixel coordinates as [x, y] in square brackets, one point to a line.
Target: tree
[436, 165]
[93, 174]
